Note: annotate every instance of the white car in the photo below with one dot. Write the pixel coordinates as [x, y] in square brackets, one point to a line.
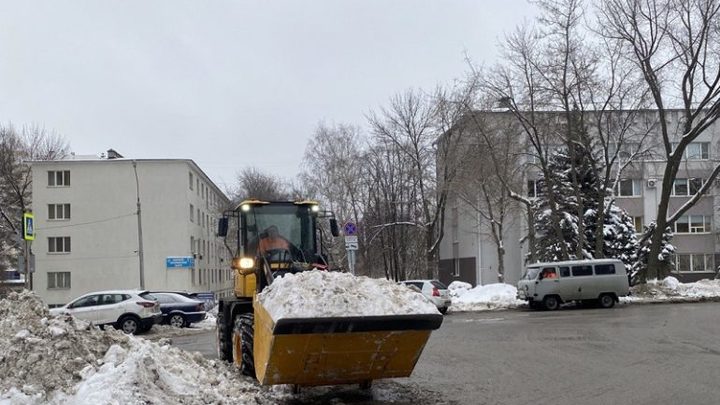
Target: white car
[433, 290]
[132, 311]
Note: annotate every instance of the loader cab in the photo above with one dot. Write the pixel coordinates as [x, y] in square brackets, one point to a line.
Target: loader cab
[293, 223]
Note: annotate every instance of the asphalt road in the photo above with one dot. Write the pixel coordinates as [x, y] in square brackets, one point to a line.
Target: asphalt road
[634, 354]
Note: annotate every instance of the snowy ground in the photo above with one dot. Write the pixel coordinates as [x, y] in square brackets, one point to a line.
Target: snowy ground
[502, 296]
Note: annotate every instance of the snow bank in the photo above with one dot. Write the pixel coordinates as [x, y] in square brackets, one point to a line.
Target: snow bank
[671, 290]
[486, 297]
[458, 288]
[61, 360]
[322, 294]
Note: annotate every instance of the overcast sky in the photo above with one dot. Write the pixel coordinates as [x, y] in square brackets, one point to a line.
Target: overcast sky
[229, 84]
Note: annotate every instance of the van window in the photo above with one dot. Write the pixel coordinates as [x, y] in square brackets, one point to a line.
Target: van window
[582, 271]
[564, 271]
[605, 269]
[532, 273]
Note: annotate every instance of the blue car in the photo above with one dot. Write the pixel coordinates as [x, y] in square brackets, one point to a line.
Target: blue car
[178, 310]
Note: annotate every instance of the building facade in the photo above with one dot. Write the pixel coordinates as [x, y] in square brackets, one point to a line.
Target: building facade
[92, 215]
[469, 253]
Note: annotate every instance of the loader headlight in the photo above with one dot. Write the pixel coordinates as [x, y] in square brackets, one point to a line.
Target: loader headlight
[315, 208]
[245, 207]
[247, 263]
[243, 263]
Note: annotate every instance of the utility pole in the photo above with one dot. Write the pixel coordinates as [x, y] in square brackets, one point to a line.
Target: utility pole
[140, 237]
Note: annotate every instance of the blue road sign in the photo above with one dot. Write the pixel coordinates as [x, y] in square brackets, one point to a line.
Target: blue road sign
[349, 228]
[179, 262]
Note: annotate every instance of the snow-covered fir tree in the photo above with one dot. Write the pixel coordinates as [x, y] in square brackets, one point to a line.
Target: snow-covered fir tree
[666, 256]
[577, 188]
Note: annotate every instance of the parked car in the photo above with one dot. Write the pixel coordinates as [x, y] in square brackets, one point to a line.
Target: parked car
[547, 285]
[433, 290]
[131, 311]
[178, 310]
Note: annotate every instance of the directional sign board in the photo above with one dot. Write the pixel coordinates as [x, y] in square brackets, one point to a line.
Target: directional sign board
[350, 229]
[351, 242]
[179, 262]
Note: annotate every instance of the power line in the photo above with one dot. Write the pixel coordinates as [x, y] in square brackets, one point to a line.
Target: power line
[87, 223]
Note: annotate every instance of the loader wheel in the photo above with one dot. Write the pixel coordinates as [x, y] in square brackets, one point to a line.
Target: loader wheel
[242, 343]
[224, 343]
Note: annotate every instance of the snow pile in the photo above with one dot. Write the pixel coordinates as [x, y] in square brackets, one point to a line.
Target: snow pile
[60, 360]
[671, 290]
[458, 288]
[486, 297]
[321, 294]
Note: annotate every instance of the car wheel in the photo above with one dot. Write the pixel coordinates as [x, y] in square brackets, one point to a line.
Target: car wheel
[177, 321]
[129, 324]
[551, 303]
[607, 301]
[242, 343]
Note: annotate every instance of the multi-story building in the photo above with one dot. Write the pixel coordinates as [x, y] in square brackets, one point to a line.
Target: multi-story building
[98, 220]
[469, 253]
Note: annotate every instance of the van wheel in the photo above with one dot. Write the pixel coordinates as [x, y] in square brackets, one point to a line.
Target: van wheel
[607, 301]
[551, 303]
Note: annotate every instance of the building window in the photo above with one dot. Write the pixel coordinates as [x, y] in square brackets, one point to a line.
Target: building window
[192, 213]
[58, 280]
[638, 221]
[687, 187]
[694, 262]
[628, 188]
[58, 211]
[695, 150]
[533, 189]
[59, 178]
[190, 176]
[693, 224]
[59, 244]
[456, 259]
[197, 186]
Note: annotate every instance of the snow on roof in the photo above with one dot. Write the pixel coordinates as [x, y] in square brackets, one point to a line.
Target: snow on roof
[323, 294]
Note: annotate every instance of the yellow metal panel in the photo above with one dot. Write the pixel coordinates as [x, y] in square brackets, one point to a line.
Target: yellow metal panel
[244, 284]
[333, 358]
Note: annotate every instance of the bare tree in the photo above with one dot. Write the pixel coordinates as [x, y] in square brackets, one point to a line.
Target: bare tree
[16, 150]
[254, 183]
[675, 46]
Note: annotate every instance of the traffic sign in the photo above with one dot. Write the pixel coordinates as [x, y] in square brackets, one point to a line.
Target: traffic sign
[350, 228]
[351, 242]
[28, 226]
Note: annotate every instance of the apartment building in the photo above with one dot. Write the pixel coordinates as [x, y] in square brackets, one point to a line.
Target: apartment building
[97, 219]
[469, 253]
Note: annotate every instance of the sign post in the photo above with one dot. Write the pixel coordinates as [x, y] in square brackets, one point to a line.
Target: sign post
[28, 237]
[351, 244]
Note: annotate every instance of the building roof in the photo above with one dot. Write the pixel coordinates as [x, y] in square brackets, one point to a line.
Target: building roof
[94, 159]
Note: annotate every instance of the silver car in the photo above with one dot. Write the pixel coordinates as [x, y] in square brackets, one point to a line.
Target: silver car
[433, 290]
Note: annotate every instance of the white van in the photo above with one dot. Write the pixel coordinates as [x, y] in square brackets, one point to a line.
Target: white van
[547, 285]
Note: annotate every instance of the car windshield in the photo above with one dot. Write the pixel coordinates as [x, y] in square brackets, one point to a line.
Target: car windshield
[439, 285]
[532, 273]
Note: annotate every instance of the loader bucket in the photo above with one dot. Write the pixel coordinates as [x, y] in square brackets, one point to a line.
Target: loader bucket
[340, 350]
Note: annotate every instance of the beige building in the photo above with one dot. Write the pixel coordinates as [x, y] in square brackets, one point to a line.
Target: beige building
[88, 233]
[468, 253]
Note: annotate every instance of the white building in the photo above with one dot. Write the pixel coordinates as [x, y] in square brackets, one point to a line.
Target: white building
[469, 253]
[88, 233]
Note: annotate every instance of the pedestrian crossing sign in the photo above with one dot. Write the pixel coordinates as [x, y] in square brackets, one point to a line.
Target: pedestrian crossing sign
[28, 226]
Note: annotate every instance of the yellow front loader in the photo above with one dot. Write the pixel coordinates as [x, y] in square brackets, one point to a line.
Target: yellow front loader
[304, 351]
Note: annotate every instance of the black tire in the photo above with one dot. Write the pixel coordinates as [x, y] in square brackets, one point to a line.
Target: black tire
[551, 302]
[242, 343]
[177, 320]
[129, 324]
[224, 343]
[606, 301]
